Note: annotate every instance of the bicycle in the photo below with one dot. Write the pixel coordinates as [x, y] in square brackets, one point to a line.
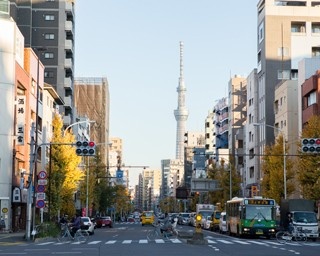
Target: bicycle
[295, 235]
[81, 236]
[171, 233]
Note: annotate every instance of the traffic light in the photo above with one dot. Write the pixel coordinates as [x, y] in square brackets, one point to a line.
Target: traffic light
[254, 191]
[310, 145]
[85, 148]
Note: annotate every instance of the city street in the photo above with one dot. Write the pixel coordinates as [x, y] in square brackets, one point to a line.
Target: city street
[129, 239]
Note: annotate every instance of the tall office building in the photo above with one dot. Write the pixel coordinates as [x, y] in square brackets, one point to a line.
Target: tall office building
[48, 28]
[181, 113]
[288, 31]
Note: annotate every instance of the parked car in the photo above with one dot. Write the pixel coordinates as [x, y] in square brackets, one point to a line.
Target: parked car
[104, 221]
[223, 223]
[87, 225]
[183, 218]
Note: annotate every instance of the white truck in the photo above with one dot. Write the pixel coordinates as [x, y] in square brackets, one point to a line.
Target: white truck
[303, 216]
[206, 211]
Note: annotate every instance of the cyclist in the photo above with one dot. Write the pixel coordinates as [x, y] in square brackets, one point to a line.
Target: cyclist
[289, 222]
[167, 225]
[76, 224]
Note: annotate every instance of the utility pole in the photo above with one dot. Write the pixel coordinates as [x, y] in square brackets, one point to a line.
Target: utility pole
[30, 182]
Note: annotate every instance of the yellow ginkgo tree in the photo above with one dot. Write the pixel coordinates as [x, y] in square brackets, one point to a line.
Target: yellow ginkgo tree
[63, 170]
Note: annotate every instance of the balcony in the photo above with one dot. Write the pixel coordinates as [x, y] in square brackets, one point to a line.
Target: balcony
[66, 120]
[68, 83]
[68, 45]
[68, 26]
[68, 102]
[69, 7]
[68, 63]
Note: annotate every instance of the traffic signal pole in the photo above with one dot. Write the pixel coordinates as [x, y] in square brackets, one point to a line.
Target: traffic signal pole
[30, 214]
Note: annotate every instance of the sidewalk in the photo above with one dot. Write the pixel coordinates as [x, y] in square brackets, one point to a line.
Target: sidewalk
[6, 236]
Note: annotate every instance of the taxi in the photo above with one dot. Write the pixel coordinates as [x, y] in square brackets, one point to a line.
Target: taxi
[147, 217]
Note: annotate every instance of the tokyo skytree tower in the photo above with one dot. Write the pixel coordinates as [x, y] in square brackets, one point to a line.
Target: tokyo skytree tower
[181, 113]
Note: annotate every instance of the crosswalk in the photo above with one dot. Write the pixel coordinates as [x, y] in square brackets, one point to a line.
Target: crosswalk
[111, 242]
[211, 241]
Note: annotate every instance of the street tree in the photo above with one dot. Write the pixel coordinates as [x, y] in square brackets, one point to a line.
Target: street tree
[220, 171]
[64, 173]
[272, 168]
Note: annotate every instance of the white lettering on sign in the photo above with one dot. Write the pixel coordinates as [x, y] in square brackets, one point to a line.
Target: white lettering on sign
[21, 119]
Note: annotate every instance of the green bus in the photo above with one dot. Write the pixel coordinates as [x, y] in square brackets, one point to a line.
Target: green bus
[251, 216]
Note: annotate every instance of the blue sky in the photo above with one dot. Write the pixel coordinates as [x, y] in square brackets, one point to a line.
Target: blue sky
[135, 44]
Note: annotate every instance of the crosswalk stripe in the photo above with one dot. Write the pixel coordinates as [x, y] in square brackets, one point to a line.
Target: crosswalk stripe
[111, 242]
[240, 242]
[143, 241]
[224, 241]
[45, 243]
[159, 241]
[256, 242]
[127, 241]
[211, 241]
[94, 242]
[176, 241]
[273, 243]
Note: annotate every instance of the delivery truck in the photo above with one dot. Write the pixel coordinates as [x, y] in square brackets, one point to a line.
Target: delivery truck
[303, 216]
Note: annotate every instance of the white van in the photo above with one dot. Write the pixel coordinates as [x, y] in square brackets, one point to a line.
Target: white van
[223, 223]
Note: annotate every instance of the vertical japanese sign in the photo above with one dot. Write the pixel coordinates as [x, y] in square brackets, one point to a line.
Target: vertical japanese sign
[20, 114]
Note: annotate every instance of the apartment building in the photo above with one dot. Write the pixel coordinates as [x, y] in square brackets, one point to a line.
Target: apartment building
[48, 27]
[309, 93]
[252, 172]
[288, 31]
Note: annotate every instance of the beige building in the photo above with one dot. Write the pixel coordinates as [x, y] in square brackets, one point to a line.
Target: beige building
[288, 31]
[91, 98]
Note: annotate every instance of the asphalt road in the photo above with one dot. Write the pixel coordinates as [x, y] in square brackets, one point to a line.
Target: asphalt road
[130, 239]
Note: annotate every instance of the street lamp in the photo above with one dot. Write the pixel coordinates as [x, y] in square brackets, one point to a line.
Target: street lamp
[80, 122]
[87, 178]
[284, 156]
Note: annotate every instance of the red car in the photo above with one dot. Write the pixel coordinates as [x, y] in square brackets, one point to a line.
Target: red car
[104, 222]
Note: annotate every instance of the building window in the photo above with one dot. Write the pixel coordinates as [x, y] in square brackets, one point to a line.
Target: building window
[315, 51]
[261, 32]
[49, 55]
[283, 74]
[276, 107]
[315, 27]
[294, 74]
[48, 74]
[49, 36]
[311, 98]
[49, 17]
[298, 27]
[251, 172]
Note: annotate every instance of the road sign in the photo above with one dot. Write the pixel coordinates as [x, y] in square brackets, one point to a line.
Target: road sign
[42, 175]
[40, 204]
[43, 182]
[119, 174]
[41, 188]
[41, 196]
